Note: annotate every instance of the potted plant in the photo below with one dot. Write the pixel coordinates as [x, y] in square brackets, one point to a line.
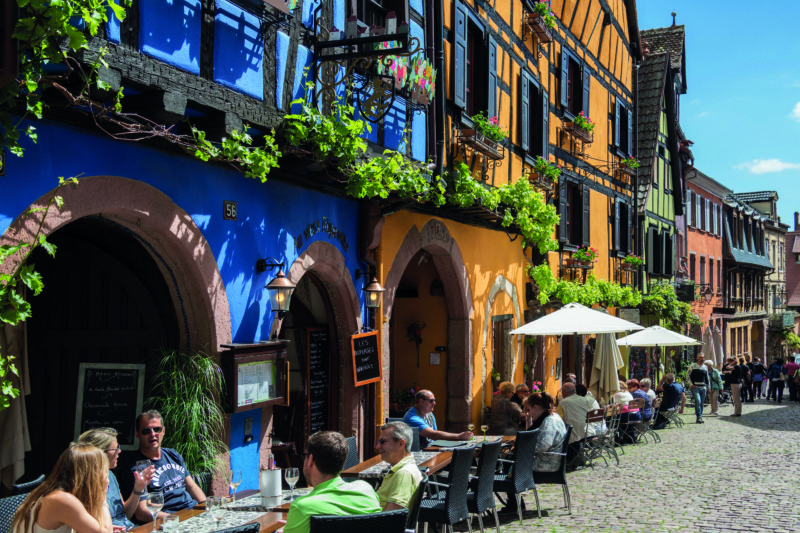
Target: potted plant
[582, 127]
[187, 390]
[542, 20]
[405, 397]
[495, 375]
[545, 175]
[487, 130]
[632, 262]
[628, 165]
[585, 256]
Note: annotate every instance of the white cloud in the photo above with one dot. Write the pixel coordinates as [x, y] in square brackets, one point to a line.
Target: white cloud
[766, 166]
[703, 114]
[795, 114]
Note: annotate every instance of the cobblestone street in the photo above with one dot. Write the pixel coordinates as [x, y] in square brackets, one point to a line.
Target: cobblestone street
[729, 474]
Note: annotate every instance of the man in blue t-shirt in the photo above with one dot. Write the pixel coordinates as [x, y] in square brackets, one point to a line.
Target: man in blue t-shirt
[421, 416]
[171, 476]
[673, 392]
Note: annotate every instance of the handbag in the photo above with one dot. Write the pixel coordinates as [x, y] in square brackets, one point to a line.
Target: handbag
[797, 377]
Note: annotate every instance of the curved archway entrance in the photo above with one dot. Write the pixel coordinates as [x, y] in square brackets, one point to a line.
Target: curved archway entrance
[429, 263]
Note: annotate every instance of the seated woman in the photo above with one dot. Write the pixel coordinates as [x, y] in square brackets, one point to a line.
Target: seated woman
[540, 414]
[639, 394]
[72, 498]
[628, 416]
[121, 510]
[505, 413]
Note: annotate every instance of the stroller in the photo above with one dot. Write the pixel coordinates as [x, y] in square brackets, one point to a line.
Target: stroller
[725, 395]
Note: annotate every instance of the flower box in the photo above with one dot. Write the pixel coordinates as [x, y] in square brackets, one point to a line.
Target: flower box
[626, 170]
[479, 143]
[541, 182]
[627, 268]
[577, 263]
[578, 132]
[537, 25]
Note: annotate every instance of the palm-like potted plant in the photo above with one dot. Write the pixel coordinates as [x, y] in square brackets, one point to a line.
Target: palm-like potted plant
[582, 127]
[542, 20]
[545, 175]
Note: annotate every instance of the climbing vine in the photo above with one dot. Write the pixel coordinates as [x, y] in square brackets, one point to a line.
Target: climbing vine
[593, 291]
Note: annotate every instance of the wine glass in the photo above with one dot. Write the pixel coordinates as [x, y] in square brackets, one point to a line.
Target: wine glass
[217, 509]
[484, 428]
[141, 466]
[235, 481]
[292, 475]
[471, 428]
[155, 501]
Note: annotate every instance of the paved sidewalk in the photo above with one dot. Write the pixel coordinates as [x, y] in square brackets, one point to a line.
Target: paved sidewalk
[728, 475]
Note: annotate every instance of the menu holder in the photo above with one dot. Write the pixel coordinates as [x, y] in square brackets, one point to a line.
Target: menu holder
[366, 358]
[256, 374]
[318, 364]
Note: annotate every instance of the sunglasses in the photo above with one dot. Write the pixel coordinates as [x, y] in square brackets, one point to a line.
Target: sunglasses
[115, 450]
[156, 430]
[384, 441]
[432, 400]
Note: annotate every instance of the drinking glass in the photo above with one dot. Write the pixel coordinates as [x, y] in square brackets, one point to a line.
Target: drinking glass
[171, 523]
[471, 428]
[484, 428]
[217, 509]
[154, 503]
[235, 481]
[141, 466]
[292, 475]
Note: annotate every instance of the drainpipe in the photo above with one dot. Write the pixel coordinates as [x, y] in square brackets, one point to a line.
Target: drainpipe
[441, 97]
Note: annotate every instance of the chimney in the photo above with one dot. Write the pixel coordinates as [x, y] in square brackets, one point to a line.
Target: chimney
[796, 221]
[674, 14]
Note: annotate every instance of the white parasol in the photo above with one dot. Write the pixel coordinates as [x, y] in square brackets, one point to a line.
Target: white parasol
[709, 351]
[604, 381]
[718, 349]
[657, 336]
[576, 319]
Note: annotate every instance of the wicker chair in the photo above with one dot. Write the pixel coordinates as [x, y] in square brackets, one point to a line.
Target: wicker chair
[386, 522]
[559, 477]
[28, 487]
[451, 506]
[253, 527]
[416, 503]
[8, 508]
[481, 498]
[520, 478]
[352, 454]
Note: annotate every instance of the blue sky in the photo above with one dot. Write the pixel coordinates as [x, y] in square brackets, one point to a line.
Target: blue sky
[742, 103]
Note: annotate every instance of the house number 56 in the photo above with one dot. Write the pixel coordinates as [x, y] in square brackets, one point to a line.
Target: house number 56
[228, 210]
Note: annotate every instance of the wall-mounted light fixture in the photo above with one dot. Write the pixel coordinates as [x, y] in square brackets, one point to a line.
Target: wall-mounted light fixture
[280, 288]
[374, 290]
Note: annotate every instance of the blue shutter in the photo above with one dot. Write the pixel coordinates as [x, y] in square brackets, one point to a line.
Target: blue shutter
[563, 194]
[460, 63]
[629, 235]
[616, 123]
[617, 240]
[585, 196]
[630, 132]
[491, 109]
[525, 109]
[564, 80]
[587, 84]
[545, 124]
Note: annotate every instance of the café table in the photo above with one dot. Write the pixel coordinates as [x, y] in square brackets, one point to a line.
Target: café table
[477, 441]
[198, 521]
[376, 468]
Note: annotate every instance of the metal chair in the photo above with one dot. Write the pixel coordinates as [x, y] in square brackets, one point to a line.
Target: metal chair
[8, 508]
[645, 428]
[629, 427]
[613, 413]
[481, 498]
[352, 454]
[593, 447]
[28, 487]
[386, 522]
[559, 477]
[253, 527]
[415, 503]
[452, 506]
[520, 477]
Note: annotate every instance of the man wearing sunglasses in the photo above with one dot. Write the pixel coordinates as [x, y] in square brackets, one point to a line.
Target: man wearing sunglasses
[403, 478]
[171, 476]
[421, 416]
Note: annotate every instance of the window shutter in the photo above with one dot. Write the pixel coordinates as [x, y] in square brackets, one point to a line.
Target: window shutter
[563, 194]
[587, 84]
[491, 110]
[651, 250]
[629, 236]
[617, 112]
[698, 214]
[545, 124]
[716, 218]
[460, 63]
[564, 79]
[708, 215]
[668, 259]
[689, 195]
[630, 132]
[585, 196]
[525, 108]
[617, 240]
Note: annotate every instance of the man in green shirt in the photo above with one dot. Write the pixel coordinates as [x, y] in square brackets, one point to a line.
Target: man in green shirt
[404, 477]
[327, 452]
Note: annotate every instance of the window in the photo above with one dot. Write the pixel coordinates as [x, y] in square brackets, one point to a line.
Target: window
[373, 12]
[623, 129]
[688, 209]
[711, 273]
[475, 65]
[667, 257]
[534, 117]
[623, 219]
[702, 270]
[573, 207]
[502, 345]
[659, 252]
[692, 262]
[576, 81]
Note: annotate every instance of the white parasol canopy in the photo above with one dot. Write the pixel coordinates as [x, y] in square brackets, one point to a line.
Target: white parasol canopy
[577, 319]
[656, 336]
[604, 381]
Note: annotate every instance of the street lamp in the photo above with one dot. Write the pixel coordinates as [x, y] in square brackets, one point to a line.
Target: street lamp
[280, 288]
[373, 292]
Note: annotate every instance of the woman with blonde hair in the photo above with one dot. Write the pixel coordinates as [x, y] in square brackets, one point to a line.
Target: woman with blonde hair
[506, 415]
[121, 510]
[72, 498]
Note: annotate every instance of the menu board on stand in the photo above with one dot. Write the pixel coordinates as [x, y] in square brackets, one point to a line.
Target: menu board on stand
[317, 362]
[366, 358]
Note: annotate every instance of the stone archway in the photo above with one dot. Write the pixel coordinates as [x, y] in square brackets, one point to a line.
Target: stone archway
[167, 232]
[435, 239]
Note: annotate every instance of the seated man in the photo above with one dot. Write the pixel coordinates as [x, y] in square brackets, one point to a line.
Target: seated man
[572, 410]
[673, 392]
[421, 416]
[327, 452]
[171, 476]
[401, 482]
[520, 394]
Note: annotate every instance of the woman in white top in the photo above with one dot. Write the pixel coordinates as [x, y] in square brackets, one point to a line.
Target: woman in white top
[623, 397]
[73, 497]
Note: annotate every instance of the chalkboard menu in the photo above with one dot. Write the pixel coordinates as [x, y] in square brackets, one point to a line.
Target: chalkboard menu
[366, 358]
[110, 395]
[318, 378]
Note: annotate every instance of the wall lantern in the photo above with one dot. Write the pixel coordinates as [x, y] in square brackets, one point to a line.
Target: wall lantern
[708, 294]
[374, 290]
[280, 288]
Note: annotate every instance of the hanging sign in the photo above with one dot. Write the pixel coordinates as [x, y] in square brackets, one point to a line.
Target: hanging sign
[366, 358]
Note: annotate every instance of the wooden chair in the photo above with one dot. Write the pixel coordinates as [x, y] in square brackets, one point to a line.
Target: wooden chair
[593, 445]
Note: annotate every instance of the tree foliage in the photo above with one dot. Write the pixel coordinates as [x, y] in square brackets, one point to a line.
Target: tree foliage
[673, 314]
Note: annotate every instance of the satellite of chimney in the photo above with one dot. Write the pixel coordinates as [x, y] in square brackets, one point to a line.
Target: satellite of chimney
[674, 13]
